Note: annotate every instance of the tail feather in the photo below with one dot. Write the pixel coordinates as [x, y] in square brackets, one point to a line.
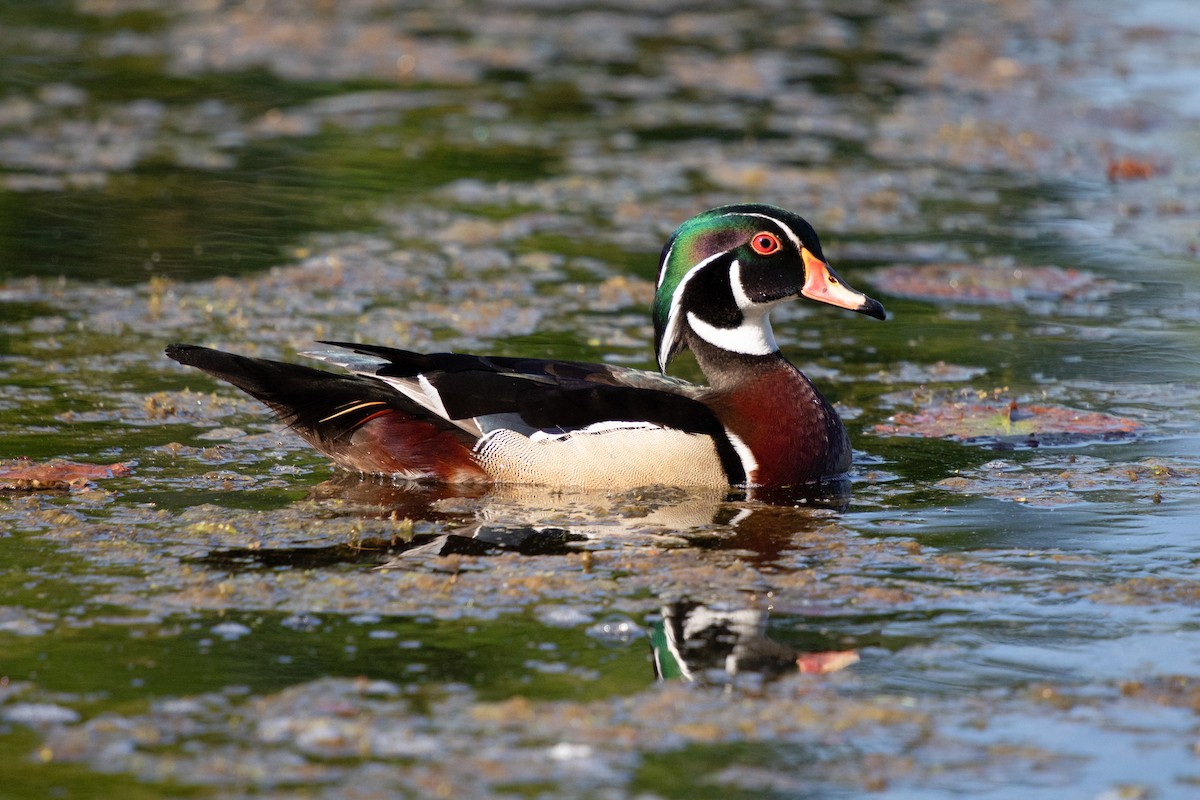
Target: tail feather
[361, 423]
[307, 399]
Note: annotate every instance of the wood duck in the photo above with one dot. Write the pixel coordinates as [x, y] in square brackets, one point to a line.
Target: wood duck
[465, 418]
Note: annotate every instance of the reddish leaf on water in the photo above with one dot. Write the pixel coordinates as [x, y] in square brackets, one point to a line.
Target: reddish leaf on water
[825, 663]
[1128, 168]
[1034, 424]
[26, 476]
[994, 284]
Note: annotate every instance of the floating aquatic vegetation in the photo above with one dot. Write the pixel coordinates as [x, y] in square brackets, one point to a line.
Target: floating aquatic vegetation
[1066, 479]
[962, 417]
[940, 372]
[27, 476]
[995, 283]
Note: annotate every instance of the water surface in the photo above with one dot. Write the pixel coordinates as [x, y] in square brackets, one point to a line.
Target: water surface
[260, 177]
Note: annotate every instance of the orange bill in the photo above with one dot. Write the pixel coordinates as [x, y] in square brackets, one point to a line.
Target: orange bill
[822, 284]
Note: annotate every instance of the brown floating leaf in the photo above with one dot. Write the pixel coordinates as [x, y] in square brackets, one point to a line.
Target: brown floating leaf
[1127, 168]
[994, 284]
[1032, 424]
[26, 476]
[825, 663]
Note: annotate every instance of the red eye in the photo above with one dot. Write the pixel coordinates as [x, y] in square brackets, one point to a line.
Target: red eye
[765, 243]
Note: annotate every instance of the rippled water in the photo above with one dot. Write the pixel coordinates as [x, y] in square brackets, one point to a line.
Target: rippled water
[257, 177]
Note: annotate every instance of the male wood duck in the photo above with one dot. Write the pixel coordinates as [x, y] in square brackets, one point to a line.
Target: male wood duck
[464, 418]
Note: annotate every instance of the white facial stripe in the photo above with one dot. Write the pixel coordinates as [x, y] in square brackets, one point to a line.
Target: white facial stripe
[735, 282]
[671, 331]
[790, 233]
[662, 268]
[739, 292]
[742, 299]
[753, 337]
[667, 341]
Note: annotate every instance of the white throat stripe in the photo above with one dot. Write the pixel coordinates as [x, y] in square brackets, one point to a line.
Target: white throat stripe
[753, 337]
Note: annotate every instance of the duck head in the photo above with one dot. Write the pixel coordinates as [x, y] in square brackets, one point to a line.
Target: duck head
[723, 271]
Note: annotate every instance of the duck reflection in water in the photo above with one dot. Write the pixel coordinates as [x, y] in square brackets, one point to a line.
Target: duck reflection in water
[706, 644]
[690, 640]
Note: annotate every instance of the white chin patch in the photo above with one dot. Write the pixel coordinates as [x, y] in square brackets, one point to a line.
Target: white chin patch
[753, 337]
